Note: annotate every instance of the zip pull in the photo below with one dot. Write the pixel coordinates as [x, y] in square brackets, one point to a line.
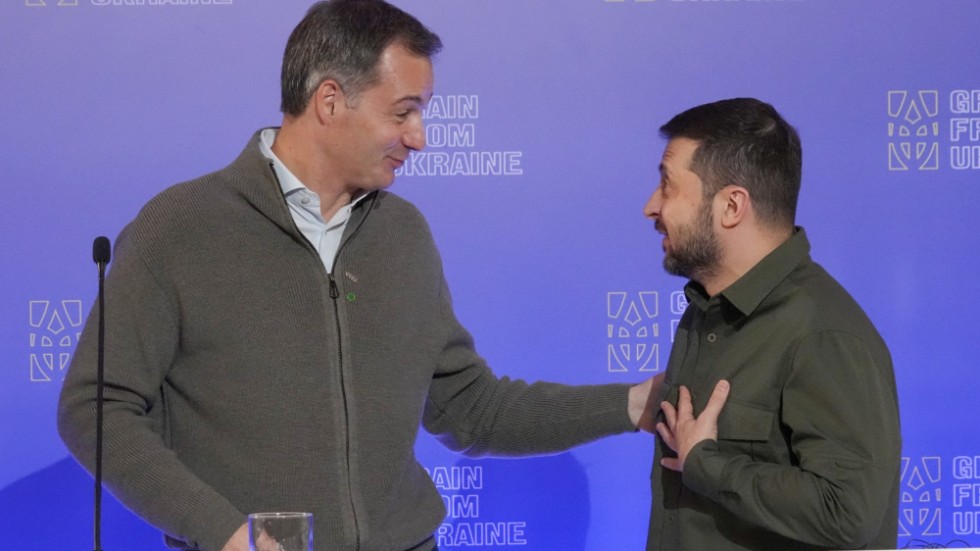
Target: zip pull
[334, 291]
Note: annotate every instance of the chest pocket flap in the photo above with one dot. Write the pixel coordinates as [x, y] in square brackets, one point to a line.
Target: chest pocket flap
[744, 422]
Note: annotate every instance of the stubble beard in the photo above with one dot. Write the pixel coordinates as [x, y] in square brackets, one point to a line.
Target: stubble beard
[696, 251]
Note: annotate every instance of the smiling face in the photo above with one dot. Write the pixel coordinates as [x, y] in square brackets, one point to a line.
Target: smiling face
[378, 129]
[683, 215]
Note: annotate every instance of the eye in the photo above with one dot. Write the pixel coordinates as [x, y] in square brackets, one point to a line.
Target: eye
[403, 115]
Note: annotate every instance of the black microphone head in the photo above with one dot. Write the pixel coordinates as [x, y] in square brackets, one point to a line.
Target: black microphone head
[101, 251]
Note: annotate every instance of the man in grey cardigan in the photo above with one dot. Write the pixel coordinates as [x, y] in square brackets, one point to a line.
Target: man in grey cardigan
[281, 328]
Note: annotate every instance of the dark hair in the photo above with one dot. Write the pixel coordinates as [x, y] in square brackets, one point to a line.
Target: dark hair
[343, 40]
[744, 141]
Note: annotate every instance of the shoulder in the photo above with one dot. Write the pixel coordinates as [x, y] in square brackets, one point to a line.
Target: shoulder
[397, 212]
[821, 295]
[248, 180]
[395, 205]
[826, 309]
[184, 215]
[186, 200]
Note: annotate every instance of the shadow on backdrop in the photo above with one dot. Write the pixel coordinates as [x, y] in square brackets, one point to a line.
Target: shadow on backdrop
[529, 503]
[52, 509]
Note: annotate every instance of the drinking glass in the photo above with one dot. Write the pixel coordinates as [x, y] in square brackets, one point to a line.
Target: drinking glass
[280, 532]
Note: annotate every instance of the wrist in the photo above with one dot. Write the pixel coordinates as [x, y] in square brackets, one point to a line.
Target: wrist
[238, 540]
[636, 404]
[644, 402]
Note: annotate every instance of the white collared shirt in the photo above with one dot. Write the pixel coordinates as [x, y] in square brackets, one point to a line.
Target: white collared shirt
[304, 206]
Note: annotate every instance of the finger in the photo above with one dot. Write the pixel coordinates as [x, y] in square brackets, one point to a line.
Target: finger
[667, 436]
[670, 414]
[684, 408]
[671, 463]
[717, 400]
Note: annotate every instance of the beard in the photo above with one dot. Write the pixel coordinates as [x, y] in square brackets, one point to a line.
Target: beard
[695, 252]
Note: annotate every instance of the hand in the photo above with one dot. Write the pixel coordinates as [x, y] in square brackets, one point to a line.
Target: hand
[238, 541]
[642, 408]
[682, 431]
[265, 542]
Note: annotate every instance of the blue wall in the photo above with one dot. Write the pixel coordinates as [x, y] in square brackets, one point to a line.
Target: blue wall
[543, 150]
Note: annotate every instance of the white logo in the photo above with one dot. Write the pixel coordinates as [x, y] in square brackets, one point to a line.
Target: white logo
[39, 3]
[54, 334]
[702, 2]
[632, 330]
[461, 488]
[920, 514]
[913, 130]
[678, 304]
[451, 124]
[966, 495]
[127, 3]
[964, 129]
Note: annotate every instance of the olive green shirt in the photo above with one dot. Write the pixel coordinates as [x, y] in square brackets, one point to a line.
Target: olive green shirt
[809, 446]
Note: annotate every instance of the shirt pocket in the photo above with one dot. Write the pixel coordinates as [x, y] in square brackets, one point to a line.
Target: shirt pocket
[746, 429]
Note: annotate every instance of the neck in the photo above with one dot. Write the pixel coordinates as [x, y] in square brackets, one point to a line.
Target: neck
[740, 253]
[299, 149]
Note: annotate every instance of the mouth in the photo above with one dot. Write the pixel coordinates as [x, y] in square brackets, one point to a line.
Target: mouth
[662, 231]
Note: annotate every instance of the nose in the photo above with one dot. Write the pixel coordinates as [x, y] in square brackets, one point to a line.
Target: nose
[652, 209]
[414, 137]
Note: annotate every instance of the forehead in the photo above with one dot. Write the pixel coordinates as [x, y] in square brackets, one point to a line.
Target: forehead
[403, 76]
[678, 154]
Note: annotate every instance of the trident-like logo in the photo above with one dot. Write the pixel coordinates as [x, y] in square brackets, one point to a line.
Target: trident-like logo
[55, 328]
[913, 130]
[920, 496]
[633, 325]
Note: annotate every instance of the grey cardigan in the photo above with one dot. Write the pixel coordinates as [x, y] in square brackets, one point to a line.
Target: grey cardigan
[242, 377]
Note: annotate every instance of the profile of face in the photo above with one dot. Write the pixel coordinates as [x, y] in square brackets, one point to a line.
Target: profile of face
[683, 215]
[379, 128]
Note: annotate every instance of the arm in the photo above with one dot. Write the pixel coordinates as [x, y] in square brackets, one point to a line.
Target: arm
[840, 414]
[643, 405]
[142, 339]
[473, 411]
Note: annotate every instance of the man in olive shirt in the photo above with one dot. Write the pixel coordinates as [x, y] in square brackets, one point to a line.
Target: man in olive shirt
[779, 426]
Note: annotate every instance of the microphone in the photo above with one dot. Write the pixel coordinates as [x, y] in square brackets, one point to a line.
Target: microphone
[101, 253]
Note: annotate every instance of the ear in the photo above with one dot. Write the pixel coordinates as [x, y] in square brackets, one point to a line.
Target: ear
[327, 98]
[736, 204]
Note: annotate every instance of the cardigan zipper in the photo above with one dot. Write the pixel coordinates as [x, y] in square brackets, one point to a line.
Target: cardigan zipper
[335, 294]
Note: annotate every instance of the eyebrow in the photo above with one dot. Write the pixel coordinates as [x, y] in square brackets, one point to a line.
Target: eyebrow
[414, 99]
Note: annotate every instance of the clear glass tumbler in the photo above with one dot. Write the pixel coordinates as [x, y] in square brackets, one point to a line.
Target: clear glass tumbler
[280, 532]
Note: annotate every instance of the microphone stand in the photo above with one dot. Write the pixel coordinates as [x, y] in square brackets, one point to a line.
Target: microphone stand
[100, 253]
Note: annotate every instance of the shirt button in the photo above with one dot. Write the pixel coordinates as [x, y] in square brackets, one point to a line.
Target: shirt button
[305, 200]
[712, 337]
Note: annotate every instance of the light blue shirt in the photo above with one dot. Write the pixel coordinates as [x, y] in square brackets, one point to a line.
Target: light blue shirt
[304, 206]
